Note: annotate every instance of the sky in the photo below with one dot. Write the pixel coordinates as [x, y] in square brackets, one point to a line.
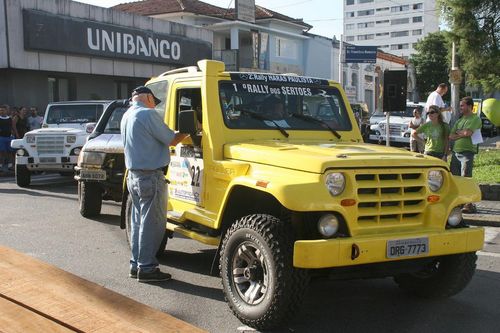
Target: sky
[324, 16]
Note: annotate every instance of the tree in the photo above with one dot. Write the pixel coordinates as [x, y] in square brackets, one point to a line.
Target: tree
[475, 27]
[431, 62]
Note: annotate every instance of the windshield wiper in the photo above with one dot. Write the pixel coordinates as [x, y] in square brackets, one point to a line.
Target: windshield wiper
[260, 117]
[311, 118]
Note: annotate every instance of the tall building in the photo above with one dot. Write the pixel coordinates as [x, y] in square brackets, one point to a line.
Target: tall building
[394, 26]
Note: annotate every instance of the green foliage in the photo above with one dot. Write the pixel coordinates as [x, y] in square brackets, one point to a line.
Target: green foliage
[487, 166]
[431, 62]
[475, 26]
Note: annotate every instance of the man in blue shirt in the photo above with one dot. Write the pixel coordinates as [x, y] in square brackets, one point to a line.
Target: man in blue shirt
[146, 139]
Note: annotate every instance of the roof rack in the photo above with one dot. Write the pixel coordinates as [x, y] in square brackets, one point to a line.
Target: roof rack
[189, 69]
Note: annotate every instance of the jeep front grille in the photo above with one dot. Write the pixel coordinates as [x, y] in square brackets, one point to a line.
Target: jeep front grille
[394, 130]
[390, 197]
[47, 145]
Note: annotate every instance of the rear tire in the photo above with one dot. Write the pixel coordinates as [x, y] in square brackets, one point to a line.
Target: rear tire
[128, 226]
[23, 176]
[260, 284]
[444, 277]
[89, 198]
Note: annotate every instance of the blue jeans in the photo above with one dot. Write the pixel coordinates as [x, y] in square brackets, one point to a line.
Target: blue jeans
[461, 163]
[148, 224]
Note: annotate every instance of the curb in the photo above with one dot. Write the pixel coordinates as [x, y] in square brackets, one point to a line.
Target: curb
[490, 192]
[481, 223]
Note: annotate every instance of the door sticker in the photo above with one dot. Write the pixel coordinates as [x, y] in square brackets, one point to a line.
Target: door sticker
[185, 175]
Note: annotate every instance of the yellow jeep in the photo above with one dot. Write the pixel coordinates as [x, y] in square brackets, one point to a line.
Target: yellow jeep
[287, 196]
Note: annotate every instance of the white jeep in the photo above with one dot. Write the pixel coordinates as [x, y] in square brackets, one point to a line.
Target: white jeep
[55, 146]
[399, 129]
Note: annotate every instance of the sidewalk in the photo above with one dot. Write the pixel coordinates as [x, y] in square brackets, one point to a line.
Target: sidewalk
[488, 214]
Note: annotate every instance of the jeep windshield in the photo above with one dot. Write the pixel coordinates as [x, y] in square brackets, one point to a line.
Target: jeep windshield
[113, 123]
[64, 114]
[267, 105]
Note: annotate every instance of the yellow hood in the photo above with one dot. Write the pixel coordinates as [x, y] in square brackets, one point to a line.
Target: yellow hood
[317, 157]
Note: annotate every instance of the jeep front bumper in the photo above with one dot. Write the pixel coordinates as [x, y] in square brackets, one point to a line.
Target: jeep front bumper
[49, 163]
[328, 253]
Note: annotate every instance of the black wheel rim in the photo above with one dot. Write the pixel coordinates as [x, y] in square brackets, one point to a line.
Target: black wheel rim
[250, 273]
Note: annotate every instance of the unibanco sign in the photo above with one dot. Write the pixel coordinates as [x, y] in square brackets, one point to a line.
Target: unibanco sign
[49, 32]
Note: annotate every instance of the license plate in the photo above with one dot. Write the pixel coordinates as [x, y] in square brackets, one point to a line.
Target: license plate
[407, 247]
[48, 160]
[93, 174]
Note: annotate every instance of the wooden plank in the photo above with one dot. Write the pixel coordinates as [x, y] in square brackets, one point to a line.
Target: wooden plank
[77, 302]
[15, 318]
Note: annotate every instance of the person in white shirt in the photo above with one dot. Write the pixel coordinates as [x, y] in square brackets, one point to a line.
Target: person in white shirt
[436, 98]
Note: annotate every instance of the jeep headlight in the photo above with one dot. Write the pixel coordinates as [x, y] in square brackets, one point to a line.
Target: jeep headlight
[71, 139]
[30, 138]
[91, 158]
[455, 217]
[435, 180]
[335, 183]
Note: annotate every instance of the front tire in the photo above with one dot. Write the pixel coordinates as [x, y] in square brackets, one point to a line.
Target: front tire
[89, 199]
[261, 285]
[444, 277]
[23, 176]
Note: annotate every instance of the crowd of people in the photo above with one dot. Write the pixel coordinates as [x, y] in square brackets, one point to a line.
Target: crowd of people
[14, 123]
[442, 139]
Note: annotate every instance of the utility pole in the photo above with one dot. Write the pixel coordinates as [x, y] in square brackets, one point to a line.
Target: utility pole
[455, 80]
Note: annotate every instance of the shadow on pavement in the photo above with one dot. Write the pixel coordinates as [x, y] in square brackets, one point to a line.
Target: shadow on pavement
[106, 219]
[199, 262]
[192, 289]
[380, 306]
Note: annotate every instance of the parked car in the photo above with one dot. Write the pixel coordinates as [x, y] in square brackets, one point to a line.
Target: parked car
[101, 163]
[55, 147]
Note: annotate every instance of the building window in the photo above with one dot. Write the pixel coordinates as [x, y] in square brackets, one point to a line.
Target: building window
[399, 33]
[366, 12]
[417, 19]
[349, 14]
[382, 9]
[349, 2]
[123, 89]
[382, 22]
[399, 46]
[365, 1]
[61, 89]
[366, 37]
[400, 21]
[366, 25]
[418, 6]
[416, 32]
[384, 46]
[368, 78]
[397, 9]
[349, 26]
[349, 38]
[382, 34]
[286, 48]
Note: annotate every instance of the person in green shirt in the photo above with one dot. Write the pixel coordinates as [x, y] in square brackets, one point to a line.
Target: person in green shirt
[463, 150]
[436, 132]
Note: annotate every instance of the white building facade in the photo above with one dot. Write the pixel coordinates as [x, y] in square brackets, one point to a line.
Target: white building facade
[393, 26]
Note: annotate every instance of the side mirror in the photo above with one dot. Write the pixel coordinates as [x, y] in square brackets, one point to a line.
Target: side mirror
[89, 127]
[187, 122]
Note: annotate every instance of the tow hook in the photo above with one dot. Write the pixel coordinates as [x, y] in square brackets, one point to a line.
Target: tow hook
[354, 251]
